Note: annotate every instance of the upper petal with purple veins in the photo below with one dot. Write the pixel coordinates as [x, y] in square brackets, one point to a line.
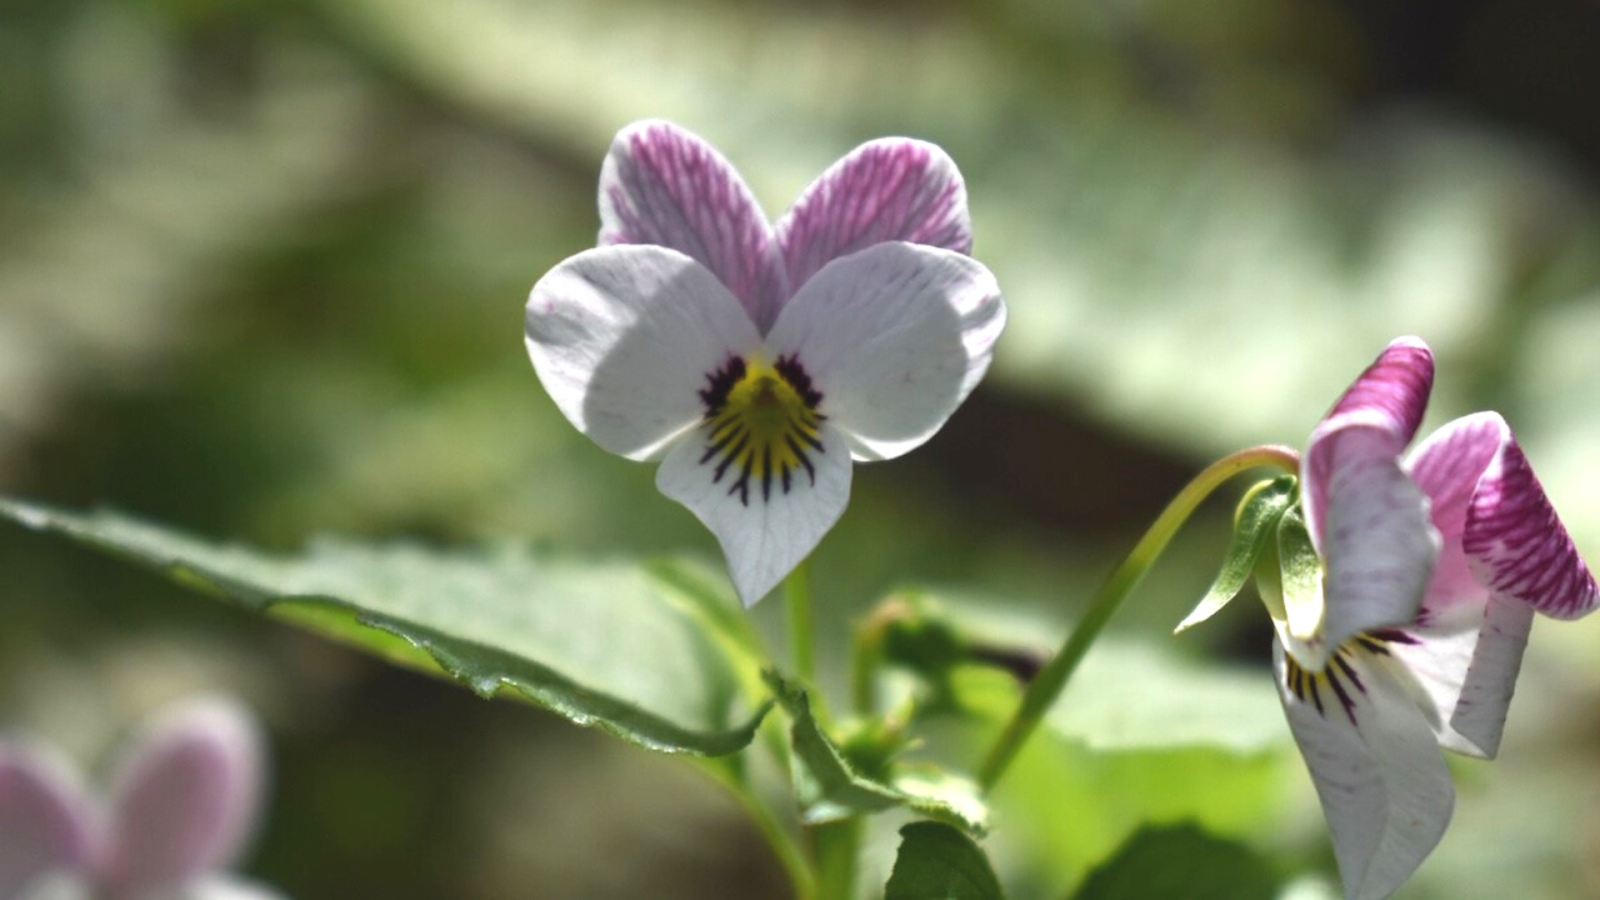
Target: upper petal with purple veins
[665, 186]
[892, 189]
[1516, 545]
[1389, 398]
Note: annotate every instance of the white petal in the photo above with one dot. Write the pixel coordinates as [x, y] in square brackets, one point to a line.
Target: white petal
[763, 537]
[1378, 542]
[215, 887]
[894, 338]
[59, 885]
[1384, 788]
[1465, 666]
[624, 338]
[186, 796]
[46, 822]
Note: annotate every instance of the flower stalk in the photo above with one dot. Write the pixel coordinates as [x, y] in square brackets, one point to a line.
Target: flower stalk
[1052, 679]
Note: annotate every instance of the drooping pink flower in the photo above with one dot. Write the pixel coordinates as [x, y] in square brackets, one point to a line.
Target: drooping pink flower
[182, 804]
[755, 362]
[1408, 634]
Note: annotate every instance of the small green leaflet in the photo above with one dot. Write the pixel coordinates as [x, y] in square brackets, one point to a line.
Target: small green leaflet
[1254, 525]
[938, 862]
[829, 788]
[603, 643]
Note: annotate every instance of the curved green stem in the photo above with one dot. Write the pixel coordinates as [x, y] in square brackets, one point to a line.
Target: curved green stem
[1052, 679]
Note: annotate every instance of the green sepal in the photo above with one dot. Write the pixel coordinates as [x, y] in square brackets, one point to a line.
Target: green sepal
[1300, 578]
[1255, 523]
[601, 643]
[830, 785]
[938, 862]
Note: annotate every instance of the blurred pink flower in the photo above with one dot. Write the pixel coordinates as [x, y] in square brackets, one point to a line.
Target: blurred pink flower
[183, 800]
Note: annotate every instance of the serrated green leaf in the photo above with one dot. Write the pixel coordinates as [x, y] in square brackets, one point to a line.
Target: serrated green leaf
[830, 788]
[1255, 523]
[1180, 862]
[938, 862]
[597, 642]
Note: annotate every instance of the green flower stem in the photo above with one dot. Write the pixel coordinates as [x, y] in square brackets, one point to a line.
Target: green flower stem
[731, 773]
[836, 847]
[1052, 679]
[797, 595]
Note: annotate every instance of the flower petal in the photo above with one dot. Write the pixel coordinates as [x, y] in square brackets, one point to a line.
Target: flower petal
[185, 797]
[214, 887]
[1388, 398]
[1464, 666]
[764, 534]
[1378, 544]
[1447, 467]
[1385, 791]
[894, 338]
[1516, 545]
[892, 189]
[623, 339]
[46, 822]
[60, 884]
[663, 185]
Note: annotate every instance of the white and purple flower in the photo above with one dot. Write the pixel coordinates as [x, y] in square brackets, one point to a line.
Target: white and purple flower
[1406, 636]
[183, 802]
[755, 362]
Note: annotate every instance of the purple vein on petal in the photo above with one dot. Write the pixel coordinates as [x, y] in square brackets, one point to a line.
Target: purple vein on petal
[665, 186]
[1518, 546]
[893, 189]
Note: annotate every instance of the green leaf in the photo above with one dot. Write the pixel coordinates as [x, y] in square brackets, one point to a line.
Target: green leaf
[830, 788]
[1255, 523]
[1180, 862]
[938, 862]
[601, 643]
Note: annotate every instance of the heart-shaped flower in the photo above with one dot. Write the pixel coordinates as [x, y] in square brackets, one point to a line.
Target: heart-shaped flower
[755, 362]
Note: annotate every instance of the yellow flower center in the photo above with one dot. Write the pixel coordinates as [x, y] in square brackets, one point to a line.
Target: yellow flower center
[762, 423]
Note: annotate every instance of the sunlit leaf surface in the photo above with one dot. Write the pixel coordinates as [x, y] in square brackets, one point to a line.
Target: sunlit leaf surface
[600, 643]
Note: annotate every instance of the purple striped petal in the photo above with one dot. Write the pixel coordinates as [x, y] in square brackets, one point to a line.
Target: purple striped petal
[663, 185]
[892, 189]
[1447, 466]
[46, 824]
[1390, 397]
[186, 797]
[1517, 546]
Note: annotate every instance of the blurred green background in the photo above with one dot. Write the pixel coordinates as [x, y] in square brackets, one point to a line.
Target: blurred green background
[262, 268]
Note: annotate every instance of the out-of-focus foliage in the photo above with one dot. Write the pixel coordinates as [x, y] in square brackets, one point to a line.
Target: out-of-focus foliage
[261, 274]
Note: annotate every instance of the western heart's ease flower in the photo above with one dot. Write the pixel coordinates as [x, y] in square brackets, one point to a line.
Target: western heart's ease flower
[182, 804]
[1409, 634]
[755, 361]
